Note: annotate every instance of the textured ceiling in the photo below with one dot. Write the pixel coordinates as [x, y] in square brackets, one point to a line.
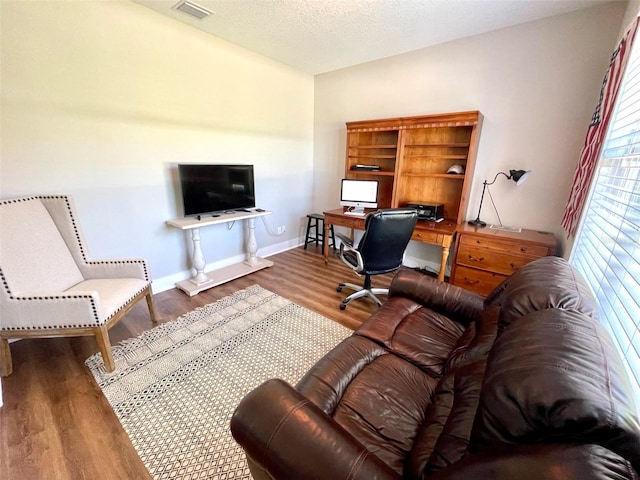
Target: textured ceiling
[318, 36]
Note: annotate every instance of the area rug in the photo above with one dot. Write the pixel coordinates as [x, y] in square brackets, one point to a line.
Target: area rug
[176, 386]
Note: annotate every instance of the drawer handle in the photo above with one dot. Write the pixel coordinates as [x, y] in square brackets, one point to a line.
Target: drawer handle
[523, 249]
[471, 282]
[473, 259]
[513, 266]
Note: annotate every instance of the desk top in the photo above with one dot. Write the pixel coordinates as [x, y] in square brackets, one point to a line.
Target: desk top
[532, 236]
[188, 223]
[446, 226]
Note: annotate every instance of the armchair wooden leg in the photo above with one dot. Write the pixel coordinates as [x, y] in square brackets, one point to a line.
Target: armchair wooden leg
[104, 345]
[6, 366]
[152, 307]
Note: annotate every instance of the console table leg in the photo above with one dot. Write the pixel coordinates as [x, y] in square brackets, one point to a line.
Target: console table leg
[198, 258]
[252, 244]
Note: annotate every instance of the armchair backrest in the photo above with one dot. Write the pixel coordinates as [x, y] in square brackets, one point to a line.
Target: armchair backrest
[34, 255]
[386, 236]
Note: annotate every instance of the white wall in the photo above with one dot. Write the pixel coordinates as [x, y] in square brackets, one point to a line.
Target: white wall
[536, 84]
[100, 99]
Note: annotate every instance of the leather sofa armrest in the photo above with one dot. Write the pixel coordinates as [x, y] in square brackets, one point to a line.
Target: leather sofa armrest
[541, 462]
[449, 300]
[286, 436]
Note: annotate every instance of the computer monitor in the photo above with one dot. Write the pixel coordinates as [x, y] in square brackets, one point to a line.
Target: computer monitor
[359, 194]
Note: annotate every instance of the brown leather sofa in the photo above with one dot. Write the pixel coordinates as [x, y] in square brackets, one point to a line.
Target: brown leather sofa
[441, 383]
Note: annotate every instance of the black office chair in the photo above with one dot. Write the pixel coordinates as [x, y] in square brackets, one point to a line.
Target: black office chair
[380, 250]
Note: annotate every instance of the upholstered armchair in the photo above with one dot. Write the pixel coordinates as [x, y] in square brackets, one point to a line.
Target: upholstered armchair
[50, 285]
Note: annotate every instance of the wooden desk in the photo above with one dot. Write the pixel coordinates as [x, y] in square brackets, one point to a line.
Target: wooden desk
[434, 233]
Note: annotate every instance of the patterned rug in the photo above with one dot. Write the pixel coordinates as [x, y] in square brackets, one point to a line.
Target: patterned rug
[176, 386]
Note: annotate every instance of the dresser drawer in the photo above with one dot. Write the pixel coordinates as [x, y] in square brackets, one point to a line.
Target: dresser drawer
[533, 251]
[478, 281]
[503, 262]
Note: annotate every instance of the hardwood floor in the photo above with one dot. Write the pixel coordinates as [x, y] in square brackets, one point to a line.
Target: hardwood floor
[55, 422]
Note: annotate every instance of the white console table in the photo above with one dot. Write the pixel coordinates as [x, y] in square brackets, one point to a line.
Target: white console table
[202, 281]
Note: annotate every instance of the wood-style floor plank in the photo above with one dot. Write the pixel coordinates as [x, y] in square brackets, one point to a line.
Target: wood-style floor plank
[55, 422]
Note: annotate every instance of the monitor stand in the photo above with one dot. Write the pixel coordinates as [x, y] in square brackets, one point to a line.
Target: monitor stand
[357, 211]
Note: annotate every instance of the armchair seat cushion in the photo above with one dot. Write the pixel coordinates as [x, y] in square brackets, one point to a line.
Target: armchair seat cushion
[113, 293]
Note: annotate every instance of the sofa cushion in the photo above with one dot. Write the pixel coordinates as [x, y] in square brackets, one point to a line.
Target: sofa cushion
[550, 461]
[381, 399]
[414, 332]
[548, 282]
[450, 300]
[325, 383]
[555, 376]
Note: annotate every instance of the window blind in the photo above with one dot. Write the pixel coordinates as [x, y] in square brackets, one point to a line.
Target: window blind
[606, 248]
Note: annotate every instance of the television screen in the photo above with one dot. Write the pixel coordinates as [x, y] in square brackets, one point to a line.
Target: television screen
[210, 188]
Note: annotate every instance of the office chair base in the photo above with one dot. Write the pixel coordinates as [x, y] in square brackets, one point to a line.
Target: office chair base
[360, 292]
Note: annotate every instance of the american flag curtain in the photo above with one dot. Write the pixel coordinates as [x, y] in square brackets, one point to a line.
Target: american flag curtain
[597, 131]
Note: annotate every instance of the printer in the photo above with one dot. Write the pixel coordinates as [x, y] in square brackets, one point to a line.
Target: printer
[433, 212]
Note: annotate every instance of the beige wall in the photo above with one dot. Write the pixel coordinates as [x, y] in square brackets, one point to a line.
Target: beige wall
[100, 99]
[536, 84]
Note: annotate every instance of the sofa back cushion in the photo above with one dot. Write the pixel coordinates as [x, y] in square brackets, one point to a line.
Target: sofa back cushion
[548, 282]
[35, 258]
[414, 332]
[555, 376]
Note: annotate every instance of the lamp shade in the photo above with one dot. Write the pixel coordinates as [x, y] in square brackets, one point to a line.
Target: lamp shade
[519, 176]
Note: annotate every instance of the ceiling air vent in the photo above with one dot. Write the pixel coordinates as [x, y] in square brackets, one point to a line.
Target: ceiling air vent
[193, 9]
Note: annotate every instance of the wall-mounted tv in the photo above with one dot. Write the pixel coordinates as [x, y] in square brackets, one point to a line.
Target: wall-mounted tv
[210, 188]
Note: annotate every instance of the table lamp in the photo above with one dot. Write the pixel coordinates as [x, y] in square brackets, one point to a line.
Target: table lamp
[518, 176]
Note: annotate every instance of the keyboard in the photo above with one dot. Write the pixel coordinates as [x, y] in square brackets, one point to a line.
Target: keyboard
[355, 214]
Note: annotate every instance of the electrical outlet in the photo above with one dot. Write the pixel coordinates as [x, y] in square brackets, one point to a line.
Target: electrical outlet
[280, 230]
[284, 228]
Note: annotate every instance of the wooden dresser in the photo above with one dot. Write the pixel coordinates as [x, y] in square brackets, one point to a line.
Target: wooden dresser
[484, 256]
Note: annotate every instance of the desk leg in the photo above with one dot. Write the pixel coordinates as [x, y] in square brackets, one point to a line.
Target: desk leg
[198, 258]
[252, 244]
[446, 246]
[325, 245]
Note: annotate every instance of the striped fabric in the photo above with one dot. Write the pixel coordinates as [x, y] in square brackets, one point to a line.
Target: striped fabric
[597, 131]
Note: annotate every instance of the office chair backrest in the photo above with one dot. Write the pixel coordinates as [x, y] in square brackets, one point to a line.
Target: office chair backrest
[386, 236]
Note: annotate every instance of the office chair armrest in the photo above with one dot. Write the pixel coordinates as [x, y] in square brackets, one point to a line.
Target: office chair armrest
[457, 303]
[344, 239]
[346, 245]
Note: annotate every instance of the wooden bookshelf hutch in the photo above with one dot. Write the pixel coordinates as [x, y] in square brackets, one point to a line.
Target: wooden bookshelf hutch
[414, 154]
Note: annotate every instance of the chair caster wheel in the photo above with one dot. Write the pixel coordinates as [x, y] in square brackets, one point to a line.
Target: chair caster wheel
[342, 307]
[338, 289]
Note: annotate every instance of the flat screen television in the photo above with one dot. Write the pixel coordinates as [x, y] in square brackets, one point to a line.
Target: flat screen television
[208, 188]
[359, 194]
